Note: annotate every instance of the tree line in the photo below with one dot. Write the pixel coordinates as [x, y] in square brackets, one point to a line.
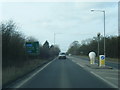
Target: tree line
[13, 46]
[91, 44]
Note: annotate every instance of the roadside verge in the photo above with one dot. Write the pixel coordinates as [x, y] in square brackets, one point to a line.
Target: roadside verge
[11, 83]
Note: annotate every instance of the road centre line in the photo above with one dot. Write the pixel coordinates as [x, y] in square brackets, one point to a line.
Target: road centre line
[111, 84]
[31, 76]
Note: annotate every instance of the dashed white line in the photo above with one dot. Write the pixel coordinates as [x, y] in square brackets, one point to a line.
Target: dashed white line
[111, 84]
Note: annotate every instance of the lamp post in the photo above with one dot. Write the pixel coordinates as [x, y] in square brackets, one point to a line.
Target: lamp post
[98, 35]
[55, 37]
[104, 26]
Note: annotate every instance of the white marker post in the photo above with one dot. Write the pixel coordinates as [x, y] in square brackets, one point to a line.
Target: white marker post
[92, 56]
[102, 61]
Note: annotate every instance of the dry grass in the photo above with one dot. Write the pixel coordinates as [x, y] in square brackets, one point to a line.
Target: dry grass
[12, 73]
[114, 60]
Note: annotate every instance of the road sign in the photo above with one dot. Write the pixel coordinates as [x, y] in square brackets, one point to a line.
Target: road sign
[102, 60]
[32, 48]
[102, 57]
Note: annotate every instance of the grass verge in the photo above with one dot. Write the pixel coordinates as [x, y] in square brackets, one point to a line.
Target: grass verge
[12, 73]
[113, 60]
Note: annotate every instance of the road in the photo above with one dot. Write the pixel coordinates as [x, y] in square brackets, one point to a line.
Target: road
[64, 74]
[114, 65]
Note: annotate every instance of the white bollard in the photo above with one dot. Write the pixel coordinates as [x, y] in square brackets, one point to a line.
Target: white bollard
[92, 56]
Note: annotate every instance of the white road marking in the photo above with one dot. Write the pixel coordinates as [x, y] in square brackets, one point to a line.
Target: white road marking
[30, 77]
[114, 86]
[116, 73]
[80, 65]
[112, 78]
[74, 61]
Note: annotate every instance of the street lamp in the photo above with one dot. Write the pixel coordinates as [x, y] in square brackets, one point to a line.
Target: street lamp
[54, 38]
[98, 35]
[104, 24]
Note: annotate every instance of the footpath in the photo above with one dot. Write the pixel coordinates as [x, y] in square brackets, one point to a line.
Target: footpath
[107, 74]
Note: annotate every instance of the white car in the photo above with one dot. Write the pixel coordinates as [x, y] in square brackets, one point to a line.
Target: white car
[62, 55]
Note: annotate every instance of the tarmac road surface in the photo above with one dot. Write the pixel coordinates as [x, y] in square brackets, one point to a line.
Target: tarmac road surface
[64, 74]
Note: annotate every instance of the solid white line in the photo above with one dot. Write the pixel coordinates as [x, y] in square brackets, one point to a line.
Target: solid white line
[30, 77]
[116, 73]
[111, 84]
[111, 78]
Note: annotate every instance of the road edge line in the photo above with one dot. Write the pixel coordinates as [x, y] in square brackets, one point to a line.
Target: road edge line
[31, 76]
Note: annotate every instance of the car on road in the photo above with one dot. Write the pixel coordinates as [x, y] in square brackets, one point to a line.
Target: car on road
[62, 55]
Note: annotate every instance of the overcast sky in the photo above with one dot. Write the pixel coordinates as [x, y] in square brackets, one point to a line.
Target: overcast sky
[70, 21]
